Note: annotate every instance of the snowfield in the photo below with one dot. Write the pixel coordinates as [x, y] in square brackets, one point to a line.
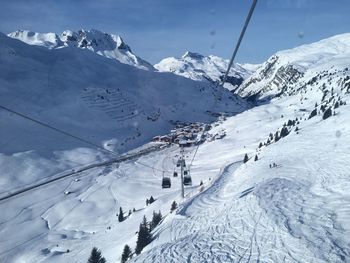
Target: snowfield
[292, 204]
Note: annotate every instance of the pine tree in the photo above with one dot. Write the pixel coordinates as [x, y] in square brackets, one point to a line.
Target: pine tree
[121, 215]
[284, 132]
[277, 136]
[144, 236]
[173, 206]
[151, 200]
[260, 145]
[256, 158]
[157, 217]
[96, 256]
[245, 158]
[313, 113]
[126, 254]
[327, 113]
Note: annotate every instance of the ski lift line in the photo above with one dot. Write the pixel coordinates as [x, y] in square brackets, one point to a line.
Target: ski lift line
[57, 130]
[239, 40]
[68, 134]
[148, 166]
[251, 11]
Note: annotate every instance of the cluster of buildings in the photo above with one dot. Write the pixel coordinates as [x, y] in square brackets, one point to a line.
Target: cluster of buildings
[186, 134]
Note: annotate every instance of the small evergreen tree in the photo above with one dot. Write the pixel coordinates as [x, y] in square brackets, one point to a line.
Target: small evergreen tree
[316, 105]
[151, 200]
[126, 254]
[157, 217]
[144, 236]
[313, 113]
[327, 113]
[260, 145]
[147, 202]
[277, 136]
[336, 105]
[256, 158]
[284, 132]
[245, 159]
[173, 206]
[96, 256]
[121, 215]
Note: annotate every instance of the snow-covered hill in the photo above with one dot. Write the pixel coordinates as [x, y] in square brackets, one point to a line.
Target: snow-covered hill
[288, 203]
[101, 100]
[283, 72]
[211, 68]
[107, 45]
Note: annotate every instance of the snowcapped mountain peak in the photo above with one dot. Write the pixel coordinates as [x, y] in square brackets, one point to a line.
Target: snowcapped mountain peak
[107, 45]
[192, 55]
[204, 68]
[49, 40]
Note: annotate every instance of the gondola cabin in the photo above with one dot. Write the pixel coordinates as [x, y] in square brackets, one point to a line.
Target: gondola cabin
[187, 180]
[166, 182]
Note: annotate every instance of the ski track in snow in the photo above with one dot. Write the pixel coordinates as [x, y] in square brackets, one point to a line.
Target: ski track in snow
[271, 223]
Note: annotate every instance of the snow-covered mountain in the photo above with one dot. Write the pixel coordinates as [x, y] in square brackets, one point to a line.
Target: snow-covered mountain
[289, 202]
[209, 68]
[96, 98]
[107, 45]
[282, 73]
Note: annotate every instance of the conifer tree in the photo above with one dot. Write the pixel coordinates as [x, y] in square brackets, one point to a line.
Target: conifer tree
[245, 158]
[157, 217]
[126, 254]
[144, 236]
[277, 136]
[173, 206]
[256, 158]
[313, 113]
[151, 200]
[96, 256]
[121, 215]
[327, 113]
[284, 132]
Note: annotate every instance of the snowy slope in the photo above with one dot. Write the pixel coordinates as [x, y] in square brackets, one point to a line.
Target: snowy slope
[211, 68]
[107, 45]
[111, 104]
[281, 73]
[295, 211]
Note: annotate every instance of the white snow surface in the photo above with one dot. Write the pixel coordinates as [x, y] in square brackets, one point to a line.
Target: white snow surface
[198, 67]
[104, 44]
[297, 211]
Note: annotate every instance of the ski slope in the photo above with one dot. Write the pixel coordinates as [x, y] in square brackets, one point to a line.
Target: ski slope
[297, 210]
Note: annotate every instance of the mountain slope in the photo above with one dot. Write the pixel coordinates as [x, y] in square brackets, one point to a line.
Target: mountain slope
[290, 204]
[101, 100]
[198, 67]
[107, 45]
[287, 70]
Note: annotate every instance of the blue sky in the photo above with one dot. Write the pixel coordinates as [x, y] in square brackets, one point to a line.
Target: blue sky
[160, 28]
